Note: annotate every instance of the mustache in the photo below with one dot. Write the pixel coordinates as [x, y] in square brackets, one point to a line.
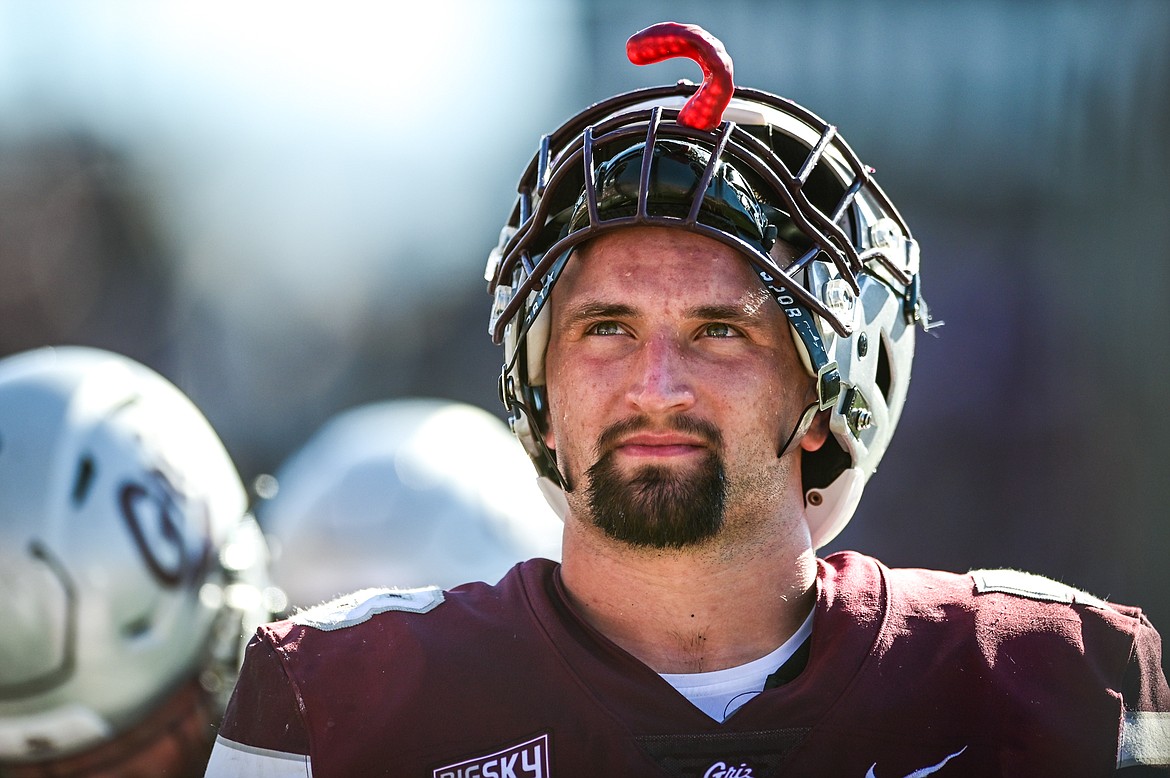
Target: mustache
[688, 425]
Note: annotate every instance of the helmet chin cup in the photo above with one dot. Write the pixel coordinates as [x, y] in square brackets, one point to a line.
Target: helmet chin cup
[828, 509]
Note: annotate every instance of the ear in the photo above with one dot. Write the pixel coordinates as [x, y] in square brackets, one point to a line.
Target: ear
[817, 433]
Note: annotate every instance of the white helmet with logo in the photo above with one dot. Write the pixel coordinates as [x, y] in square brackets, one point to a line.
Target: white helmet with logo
[404, 493]
[129, 567]
[753, 171]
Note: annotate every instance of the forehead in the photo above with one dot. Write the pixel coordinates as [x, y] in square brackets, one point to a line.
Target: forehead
[657, 260]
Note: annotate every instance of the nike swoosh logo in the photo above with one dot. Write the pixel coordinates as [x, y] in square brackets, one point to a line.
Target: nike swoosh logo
[925, 771]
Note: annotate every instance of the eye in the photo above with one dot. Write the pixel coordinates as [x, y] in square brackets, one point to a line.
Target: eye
[606, 328]
[719, 329]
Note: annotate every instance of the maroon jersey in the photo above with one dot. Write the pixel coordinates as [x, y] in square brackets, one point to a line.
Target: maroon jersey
[908, 673]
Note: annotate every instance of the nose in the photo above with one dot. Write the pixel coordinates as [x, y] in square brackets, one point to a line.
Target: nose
[661, 380]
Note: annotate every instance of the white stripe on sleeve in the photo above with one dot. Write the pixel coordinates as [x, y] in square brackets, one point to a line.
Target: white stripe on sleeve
[229, 759]
[1145, 739]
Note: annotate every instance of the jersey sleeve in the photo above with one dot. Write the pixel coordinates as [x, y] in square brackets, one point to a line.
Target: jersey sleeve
[262, 734]
[1145, 735]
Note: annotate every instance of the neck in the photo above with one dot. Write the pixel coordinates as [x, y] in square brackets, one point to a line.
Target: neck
[691, 610]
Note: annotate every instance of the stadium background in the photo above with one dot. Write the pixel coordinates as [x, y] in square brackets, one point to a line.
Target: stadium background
[285, 208]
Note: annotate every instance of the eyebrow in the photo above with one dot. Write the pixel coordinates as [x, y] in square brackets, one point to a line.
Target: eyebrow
[729, 313]
[594, 311]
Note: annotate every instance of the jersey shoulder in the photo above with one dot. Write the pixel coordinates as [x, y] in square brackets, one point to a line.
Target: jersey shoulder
[1006, 611]
[991, 606]
[427, 614]
[978, 588]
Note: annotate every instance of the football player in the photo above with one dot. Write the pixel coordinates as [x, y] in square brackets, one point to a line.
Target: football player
[131, 575]
[409, 492]
[707, 307]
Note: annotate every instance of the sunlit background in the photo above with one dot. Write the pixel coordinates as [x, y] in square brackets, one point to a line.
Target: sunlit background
[285, 207]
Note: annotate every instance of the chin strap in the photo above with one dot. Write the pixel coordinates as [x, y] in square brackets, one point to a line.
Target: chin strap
[803, 422]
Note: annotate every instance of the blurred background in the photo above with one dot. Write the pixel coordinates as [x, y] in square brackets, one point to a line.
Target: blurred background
[286, 207]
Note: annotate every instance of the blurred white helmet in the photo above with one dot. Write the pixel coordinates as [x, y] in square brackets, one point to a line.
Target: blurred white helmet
[129, 567]
[404, 493]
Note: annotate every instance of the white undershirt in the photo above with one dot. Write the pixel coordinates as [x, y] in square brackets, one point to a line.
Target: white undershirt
[720, 693]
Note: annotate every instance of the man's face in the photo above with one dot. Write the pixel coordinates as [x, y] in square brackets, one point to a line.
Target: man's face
[673, 381]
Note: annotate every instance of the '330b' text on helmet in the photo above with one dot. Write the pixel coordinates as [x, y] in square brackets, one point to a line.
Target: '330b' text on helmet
[758, 173]
[130, 570]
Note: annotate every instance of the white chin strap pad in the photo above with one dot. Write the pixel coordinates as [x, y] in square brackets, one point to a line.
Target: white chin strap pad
[554, 495]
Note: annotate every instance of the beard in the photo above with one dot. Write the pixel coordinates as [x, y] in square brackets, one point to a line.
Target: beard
[659, 507]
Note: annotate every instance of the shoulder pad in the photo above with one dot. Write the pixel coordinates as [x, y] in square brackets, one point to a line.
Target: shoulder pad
[1034, 587]
[363, 604]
